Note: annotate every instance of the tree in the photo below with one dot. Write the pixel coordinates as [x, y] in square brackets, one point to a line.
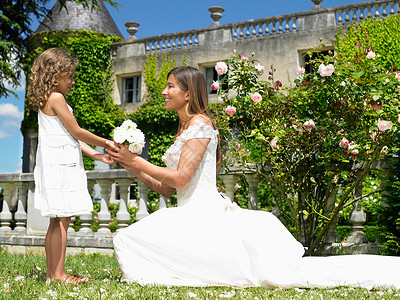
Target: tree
[15, 27]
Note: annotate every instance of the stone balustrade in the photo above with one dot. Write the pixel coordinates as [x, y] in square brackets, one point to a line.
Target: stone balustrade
[19, 218]
[264, 27]
[21, 224]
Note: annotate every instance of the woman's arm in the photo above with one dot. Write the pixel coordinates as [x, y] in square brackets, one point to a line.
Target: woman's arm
[191, 156]
[59, 106]
[150, 182]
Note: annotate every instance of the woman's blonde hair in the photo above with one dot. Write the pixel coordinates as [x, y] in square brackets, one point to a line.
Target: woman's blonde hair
[192, 80]
[46, 71]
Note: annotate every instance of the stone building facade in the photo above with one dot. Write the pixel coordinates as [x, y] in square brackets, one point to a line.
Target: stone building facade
[281, 41]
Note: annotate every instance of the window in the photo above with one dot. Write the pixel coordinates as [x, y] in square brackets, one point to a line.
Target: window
[130, 89]
[212, 75]
[306, 59]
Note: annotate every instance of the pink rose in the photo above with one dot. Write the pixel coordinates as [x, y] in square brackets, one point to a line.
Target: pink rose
[326, 71]
[301, 71]
[354, 152]
[220, 99]
[256, 97]
[344, 143]
[384, 150]
[215, 85]
[398, 76]
[230, 110]
[299, 128]
[245, 58]
[259, 68]
[274, 144]
[384, 125]
[221, 68]
[309, 125]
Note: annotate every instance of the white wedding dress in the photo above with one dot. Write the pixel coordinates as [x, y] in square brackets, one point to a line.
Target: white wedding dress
[208, 240]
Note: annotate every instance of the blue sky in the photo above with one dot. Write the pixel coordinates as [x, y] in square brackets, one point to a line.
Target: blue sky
[155, 17]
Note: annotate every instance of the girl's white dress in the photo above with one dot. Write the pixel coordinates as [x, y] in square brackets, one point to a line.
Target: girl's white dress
[60, 178]
[208, 240]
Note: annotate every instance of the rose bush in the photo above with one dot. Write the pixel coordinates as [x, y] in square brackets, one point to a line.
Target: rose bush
[314, 139]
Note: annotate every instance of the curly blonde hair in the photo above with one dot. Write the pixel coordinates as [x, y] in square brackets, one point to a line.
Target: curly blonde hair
[46, 71]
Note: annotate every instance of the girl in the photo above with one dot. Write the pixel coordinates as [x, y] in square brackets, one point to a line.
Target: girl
[60, 179]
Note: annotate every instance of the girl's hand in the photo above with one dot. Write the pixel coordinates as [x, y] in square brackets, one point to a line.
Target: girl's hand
[120, 153]
[105, 158]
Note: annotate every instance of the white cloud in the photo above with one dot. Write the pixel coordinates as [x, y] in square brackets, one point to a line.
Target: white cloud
[3, 134]
[10, 110]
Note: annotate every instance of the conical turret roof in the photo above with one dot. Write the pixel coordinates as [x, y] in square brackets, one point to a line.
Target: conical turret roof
[77, 17]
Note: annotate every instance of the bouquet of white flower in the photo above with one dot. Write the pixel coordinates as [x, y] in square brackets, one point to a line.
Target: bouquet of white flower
[129, 134]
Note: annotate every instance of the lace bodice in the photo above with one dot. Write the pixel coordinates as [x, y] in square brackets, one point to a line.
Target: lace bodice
[204, 179]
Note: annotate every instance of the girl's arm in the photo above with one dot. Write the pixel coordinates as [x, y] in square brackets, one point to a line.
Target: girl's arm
[191, 156]
[93, 153]
[59, 106]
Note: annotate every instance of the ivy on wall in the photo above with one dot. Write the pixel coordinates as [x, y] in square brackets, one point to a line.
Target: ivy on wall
[90, 97]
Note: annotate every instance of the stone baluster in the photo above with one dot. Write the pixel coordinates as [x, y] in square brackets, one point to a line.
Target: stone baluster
[267, 28]
[287, 27]
[196, 40]
[235, 35]
[392, 11]
[71, 231]
[357, 220]
[273, 27]
[347, 17]
[355, 14]
[377, 11]
[185, 43]
[260, 29]
[247, 35]
[241, 34]
[340, 20]
[280, 28]
[86, 219]
[252, 180]
[163, 202]
[230, 181]
[104, 216]
[20, 214]
[294, 26]
[143, 192]
[123, 216]
[179, 42]
[5, 215]
[190, 40]
[361, 17]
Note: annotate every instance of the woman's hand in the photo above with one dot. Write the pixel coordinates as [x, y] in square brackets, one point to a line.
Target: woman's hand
[120, 153]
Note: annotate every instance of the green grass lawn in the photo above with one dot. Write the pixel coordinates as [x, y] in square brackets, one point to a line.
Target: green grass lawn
[23, 277]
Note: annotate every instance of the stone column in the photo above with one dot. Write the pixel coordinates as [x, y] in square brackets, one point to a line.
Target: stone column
[87, 218]
[357, 220]
[20, 214]
[104, 216]
[252, 180]
[163, 202]
[123, 216]
[230, 181]
[143, 193]
[5, 215]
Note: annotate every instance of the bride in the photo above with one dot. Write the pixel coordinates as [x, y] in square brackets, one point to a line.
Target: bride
[208, 240]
